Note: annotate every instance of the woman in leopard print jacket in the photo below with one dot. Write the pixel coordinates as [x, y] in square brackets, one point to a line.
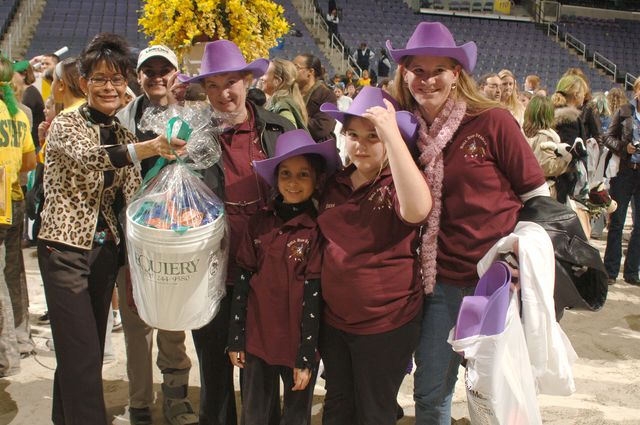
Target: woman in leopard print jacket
[91, 159]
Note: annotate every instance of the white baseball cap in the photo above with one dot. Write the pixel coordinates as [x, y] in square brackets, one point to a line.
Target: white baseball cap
[157, 51]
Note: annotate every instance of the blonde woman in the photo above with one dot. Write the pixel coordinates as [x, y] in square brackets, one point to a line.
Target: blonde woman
[474, 148]
[616, 98]
[567, 99]
[509, 95]
[590, 120]
[280, 86]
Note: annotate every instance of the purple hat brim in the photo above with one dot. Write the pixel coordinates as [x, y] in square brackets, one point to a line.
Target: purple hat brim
[484, 313]
[407, 123]
[267, 167]
[466, 54]
[257, 68]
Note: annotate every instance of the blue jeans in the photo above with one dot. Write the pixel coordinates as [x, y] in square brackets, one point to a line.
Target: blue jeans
[625, 185]
[436, 363]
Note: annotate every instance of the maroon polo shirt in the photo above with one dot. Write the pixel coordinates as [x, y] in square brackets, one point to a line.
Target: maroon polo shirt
[486, 166]
[245, 193]
[281, 255]
[370, 275]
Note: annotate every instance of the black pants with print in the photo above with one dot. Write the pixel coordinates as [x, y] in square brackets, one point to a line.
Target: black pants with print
[261, 395]
[364, 373]
[217, 396]
[78, 285]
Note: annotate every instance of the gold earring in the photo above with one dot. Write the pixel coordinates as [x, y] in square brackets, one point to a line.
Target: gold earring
[454, 86]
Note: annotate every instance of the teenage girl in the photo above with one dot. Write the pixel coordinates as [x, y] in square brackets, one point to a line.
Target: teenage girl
[275, 309]
[371, 214]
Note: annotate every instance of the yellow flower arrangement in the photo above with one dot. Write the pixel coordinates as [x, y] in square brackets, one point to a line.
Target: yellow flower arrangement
[254, 25]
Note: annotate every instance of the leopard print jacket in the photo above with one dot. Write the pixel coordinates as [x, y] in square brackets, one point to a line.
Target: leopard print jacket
[74, 179]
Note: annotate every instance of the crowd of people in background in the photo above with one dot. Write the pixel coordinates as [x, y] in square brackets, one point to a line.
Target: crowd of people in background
[79, 118]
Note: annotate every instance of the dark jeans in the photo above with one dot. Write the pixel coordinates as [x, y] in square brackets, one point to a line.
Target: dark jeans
[78, 285]
[364, 373]
[625, 185]
[217, 396]
[261, 395]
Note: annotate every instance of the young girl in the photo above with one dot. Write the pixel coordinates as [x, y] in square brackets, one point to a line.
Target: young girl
[370, 216]
[275, 309]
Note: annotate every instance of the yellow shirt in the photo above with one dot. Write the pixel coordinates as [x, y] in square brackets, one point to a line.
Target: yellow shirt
[15, 141]
[75, 105]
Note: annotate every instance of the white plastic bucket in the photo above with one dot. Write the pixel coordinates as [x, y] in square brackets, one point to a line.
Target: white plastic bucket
[178, 279]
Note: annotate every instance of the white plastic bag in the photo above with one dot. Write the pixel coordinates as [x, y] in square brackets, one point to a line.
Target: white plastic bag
[498, 377]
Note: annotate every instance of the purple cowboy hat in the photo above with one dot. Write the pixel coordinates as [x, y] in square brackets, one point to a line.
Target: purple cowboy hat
[222, 56]
[434, 39]
[368, 98]
[293, 143]
[485, 312]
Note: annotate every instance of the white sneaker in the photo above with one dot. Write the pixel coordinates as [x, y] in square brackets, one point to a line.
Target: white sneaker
[117, 321]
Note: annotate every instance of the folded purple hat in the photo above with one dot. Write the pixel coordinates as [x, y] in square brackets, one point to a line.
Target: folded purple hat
[293, 143]
[222, 56]
[485, 312]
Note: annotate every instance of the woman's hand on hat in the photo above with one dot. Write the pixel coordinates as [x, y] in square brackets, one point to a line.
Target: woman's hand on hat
[177, 89]
[384, 120]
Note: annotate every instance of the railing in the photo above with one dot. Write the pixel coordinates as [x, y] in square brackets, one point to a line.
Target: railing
[18, 27]
[628, 81]
[606, 64]
[576, 44]
[553, 29]
[308, 12]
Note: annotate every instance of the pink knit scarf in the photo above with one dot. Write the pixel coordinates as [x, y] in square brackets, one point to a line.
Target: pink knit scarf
[432, 140]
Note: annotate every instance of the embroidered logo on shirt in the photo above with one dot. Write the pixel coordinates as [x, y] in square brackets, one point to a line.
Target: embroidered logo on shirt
[327, 206]
[298, 249]
[474, 146]
[381, 198]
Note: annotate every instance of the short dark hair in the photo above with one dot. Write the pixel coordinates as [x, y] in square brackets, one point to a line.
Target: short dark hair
[110, 48]
[53, 56]
[312, 62]
[482, 81]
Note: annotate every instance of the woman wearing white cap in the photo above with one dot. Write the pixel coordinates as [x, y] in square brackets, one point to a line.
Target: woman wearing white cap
[480, 169]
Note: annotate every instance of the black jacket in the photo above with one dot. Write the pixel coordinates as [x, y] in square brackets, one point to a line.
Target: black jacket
[581, 279]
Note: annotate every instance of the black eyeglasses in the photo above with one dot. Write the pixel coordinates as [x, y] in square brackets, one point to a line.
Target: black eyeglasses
[116, 81]
[153, 73]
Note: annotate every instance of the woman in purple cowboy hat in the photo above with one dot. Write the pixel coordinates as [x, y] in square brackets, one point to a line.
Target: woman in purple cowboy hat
[250, 135]
[480, 170]
[370, 215]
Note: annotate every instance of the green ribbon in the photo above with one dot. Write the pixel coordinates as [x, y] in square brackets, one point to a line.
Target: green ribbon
[184, 132]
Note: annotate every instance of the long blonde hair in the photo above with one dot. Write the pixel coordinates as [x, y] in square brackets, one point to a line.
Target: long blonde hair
[512, 103]
[466, 91]
[616, 98]
[567, 90]
[287, 72]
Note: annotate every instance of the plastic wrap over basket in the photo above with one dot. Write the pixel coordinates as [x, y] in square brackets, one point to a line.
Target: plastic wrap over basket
[177, 241]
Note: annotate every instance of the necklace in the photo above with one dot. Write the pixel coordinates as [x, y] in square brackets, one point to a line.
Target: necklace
[86, 114]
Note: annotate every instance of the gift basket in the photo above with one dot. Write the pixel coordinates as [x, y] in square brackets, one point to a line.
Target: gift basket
[176, 227]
